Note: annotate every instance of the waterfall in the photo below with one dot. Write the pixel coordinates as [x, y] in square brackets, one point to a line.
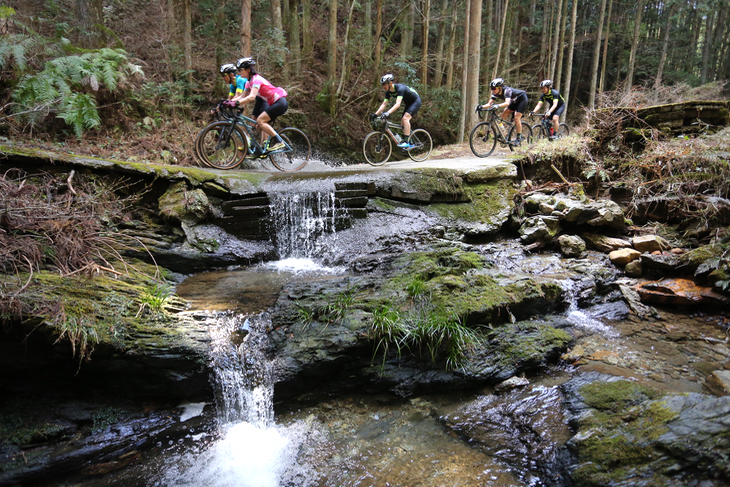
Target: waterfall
[301, 219]
[242, 376]
[249, 449]
[581, 318]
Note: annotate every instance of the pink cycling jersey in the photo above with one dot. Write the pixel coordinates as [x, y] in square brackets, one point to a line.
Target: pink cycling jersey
[267, 91]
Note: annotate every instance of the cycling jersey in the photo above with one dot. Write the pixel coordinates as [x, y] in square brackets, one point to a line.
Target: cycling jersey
[267, 91]
[511, 93]
[551, 96]
[408, 94]
[240, 84]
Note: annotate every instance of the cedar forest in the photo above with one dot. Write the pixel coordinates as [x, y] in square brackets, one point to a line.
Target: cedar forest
[136, 78]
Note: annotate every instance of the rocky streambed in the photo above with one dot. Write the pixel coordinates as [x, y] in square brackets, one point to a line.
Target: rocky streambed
[452, 338]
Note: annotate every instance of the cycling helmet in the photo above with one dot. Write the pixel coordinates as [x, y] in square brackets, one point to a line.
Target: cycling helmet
[245, 62]
[547, 82]
[386, 78]
[496, 82]
[228, 69]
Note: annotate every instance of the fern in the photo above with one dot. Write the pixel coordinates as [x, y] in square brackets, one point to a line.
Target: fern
[67, 87]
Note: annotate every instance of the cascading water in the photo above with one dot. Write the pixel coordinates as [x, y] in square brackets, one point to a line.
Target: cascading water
[300, 220]
[581, 318]
[249, 450]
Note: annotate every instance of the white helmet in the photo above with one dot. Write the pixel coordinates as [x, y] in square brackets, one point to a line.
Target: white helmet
[386, 78]
[547, 82]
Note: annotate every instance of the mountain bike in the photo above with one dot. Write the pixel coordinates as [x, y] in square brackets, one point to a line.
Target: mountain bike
[378, 145]
[544, 129]
[226, 143]
[485, 135]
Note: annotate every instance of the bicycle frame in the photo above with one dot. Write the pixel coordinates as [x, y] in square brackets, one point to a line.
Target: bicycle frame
[247, 122]
[494, 119]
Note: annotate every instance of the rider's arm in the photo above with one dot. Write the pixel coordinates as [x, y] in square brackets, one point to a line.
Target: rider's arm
[382, 107]
[506, 103]
[396, 105]
[538, 106]
[555, 105]
[248, 98]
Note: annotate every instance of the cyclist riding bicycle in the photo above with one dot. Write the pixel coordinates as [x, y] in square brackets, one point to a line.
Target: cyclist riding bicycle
[557, 104]
[515, 101]
[228, 73]
[401, 93]
[270, 102]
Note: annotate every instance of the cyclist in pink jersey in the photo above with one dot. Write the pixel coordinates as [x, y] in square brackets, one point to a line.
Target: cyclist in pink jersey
[270, 101]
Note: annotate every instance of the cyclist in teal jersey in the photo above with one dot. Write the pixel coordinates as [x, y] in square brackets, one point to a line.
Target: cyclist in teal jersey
[401, 93]
[228, 72]
[555, 101]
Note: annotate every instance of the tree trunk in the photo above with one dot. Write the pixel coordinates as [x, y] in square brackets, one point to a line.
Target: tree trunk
[501, 39]
[245, 28]
[596, 55]
[558, 76]
[472, 66]
[487, 43]
[332, 56]
[295, 64]
[634, 45]
[602, 83]
[188, 41]
[409, 16]
[368, 14]
[441, 36]
[90, 15]
[345, 51]
[665, 45]
[278, 32]
[307, 39]
[452, 48]
[716, 48]
[426, 4]
[464, 74]
[556, 39]
[378, 36]
[571, 50]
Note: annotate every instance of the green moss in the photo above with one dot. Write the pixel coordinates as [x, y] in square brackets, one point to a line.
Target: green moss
[485, 201]
[529, 343]
[615, 396]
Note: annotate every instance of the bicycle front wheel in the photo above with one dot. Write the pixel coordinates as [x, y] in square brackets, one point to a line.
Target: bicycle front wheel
[512, 138]
[421, 145]
[296, 155]
[563, 130]
[221, 147]
[377, 148]
[196, 144]
[483, 139]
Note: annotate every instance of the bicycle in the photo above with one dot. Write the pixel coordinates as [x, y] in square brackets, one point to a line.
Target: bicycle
[378, 145]
[485, 135]
[225, 144]
[544, 129]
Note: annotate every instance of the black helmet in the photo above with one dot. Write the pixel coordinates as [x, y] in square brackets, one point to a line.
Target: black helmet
[547, 82]
[228, 69]
[245, 62]
[496, 82]
[386, 78]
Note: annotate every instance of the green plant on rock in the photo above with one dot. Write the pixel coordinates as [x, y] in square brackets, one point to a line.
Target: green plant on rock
[80, 332]
[156, 298]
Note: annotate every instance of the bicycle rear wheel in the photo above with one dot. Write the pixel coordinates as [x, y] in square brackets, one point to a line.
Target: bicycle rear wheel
[563, 130]
[296, 155]
[483, 139]
[220, 147]
[202, 162]
[538, 131]
[422, 145]
[377, 148]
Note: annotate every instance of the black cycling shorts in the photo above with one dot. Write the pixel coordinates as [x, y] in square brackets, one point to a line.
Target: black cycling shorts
[413, 107]
[278, 109]
[519, 104]
[559, 111]
[259, 107]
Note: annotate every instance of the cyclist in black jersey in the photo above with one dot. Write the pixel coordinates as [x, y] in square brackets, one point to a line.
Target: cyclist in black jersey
[555, 100]
[514, 101]
[402, 94]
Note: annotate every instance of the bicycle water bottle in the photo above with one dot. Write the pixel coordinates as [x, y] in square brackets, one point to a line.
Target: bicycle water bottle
[501, 128]
[397, 138]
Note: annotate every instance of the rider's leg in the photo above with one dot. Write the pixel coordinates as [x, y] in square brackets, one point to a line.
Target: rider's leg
[556, 124]
[406, 123]
[518, 123]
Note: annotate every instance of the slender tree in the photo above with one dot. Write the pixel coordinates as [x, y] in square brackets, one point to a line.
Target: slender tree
[332, 56]
[501, 38]
[307, 39]
[425, 22]
[90, 15]
[604, 61]
[452, 50]
[596, 55]
[464, 74]
[665, 44]
[571, 50]
[245, 28]
[472, 65]
[556, 38]
[346, 50]
[634, 45]
[441, 36]
[294, 52]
